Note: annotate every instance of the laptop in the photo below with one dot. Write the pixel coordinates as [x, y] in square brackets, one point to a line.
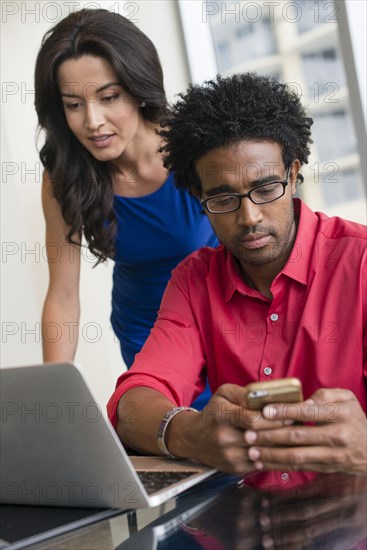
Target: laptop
[58, 448]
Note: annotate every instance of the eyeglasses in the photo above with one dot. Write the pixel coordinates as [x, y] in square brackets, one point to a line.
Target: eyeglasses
[268, 192]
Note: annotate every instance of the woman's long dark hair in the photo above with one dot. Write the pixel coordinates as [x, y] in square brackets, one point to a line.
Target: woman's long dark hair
[81, 184]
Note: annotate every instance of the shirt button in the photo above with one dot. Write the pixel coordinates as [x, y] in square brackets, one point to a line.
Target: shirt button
[285, 476]
[268, 371]
[274, 317]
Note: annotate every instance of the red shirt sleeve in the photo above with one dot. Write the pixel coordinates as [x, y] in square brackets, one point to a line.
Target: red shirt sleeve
[172, 359]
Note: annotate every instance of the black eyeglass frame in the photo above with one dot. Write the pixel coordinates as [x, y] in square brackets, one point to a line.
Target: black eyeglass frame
[241, 196]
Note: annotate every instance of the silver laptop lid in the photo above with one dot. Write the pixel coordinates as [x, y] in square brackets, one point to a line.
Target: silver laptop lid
[58, 447]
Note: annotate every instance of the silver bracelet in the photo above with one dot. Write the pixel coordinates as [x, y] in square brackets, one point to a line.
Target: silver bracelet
[163, 427]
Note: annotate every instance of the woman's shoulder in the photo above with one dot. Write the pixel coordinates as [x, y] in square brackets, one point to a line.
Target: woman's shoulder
[47, 190]
[46, 181]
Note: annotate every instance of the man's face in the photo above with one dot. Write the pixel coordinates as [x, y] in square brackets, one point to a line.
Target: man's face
[256, 234]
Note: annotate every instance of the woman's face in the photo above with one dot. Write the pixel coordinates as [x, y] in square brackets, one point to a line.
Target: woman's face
[101, 115]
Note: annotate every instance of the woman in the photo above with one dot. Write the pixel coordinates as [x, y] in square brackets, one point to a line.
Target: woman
[99, 97]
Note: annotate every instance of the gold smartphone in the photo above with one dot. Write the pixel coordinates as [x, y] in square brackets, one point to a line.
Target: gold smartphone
[283, 390]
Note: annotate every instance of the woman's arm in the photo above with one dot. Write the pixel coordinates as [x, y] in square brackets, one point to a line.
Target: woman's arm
[61, 310]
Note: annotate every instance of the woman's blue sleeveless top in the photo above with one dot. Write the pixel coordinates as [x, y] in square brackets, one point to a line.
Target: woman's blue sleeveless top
[154, 234]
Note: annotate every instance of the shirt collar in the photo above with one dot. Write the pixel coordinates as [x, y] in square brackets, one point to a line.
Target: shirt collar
[297, 266]
[235, 280]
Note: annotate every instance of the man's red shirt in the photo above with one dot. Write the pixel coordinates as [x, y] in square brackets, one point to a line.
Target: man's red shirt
[212, 323]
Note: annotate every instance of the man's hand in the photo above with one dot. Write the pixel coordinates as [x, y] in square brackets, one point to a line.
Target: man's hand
[336, 443]
[215, 436]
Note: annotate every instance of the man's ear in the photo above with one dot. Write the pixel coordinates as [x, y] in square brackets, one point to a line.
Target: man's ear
[295, 176]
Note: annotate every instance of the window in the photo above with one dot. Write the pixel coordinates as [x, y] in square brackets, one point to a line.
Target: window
[299, 42]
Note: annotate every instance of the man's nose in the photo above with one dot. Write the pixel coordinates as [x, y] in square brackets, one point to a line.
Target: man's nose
[249, 214]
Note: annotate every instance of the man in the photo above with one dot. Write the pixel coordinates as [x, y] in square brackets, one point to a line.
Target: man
[284, 296]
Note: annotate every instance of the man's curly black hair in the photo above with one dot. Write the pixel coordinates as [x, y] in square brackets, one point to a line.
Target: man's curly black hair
[226, 111]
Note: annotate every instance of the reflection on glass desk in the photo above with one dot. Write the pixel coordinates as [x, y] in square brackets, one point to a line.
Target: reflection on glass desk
[68, 527]
[327, 512]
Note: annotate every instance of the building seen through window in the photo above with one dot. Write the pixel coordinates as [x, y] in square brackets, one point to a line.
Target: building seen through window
[299, 43]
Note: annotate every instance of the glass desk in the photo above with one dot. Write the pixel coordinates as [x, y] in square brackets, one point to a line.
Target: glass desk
[328, 512]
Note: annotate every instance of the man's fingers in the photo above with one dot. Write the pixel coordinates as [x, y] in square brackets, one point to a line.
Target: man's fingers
[308, 411]
[233, 393]
[316, 459]
[323, 406]
[220, 411]
[295, 436]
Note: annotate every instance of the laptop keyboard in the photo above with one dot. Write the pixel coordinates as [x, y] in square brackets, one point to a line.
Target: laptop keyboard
[154, 481]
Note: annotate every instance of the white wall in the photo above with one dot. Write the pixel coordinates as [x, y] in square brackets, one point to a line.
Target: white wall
[23, 265]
